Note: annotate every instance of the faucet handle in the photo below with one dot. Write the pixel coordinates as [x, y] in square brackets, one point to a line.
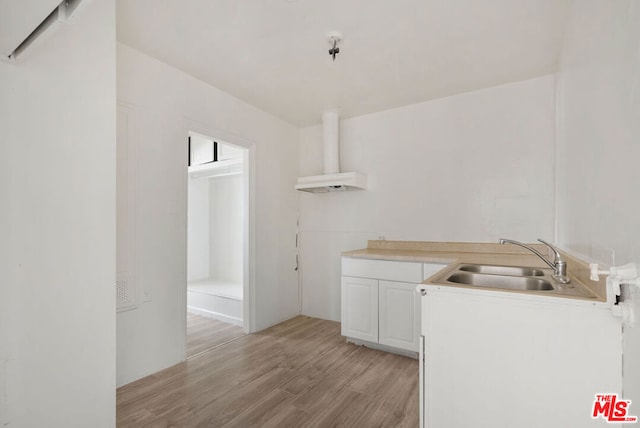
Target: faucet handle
[557, 257]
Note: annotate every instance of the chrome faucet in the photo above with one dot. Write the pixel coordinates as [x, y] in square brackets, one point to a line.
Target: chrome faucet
[559, 266]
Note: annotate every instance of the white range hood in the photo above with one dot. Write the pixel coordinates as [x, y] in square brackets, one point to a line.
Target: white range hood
[332, 180]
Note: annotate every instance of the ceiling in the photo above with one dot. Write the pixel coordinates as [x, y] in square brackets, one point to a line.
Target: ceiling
[274, 54]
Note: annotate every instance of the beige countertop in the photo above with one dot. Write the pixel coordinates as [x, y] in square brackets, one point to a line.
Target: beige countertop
[453, 253]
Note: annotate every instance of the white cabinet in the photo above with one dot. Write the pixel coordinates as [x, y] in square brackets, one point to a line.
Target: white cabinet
[399, 315]
[382, 269]
[380, 304]
[360, 308]
[491, 359]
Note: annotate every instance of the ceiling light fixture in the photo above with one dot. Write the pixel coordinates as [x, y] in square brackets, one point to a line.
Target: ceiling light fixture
[334, 38]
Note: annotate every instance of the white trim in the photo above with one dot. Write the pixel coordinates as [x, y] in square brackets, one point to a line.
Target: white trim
[221, 168]
[215, 315]
[386, 348]
[131, 111]
[249, 246]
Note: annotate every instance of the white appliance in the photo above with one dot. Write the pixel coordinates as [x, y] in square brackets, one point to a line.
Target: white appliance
[332, 180]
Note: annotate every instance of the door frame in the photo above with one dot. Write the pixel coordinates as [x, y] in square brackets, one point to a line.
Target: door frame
[249, 218]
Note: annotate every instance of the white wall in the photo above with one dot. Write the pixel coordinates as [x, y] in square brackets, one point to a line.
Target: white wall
[198, 254]
[168, 104]
[57, 163]
[599, 144]
[470, 167]
[599, 134]
[225, 239]
[215, 228]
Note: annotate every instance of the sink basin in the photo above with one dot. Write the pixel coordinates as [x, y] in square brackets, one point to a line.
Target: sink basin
[533, 280]
[500, 281]
[502, 270]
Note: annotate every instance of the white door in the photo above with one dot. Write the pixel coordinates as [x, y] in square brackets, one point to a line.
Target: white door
[399, 311]
[360, 308]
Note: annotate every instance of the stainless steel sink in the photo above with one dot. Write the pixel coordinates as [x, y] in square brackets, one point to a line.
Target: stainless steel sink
[500, 281]
[511, 278]
[501, 270]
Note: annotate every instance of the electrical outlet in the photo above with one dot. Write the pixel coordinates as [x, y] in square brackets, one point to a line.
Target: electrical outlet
[146, 296]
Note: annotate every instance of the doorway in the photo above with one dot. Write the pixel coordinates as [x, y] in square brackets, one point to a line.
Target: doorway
[216, 241]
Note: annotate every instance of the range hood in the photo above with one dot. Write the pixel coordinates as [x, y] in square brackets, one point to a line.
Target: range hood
[332, 180]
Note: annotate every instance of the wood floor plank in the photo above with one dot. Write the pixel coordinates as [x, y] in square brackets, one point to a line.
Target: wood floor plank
[275, 403]
[205, 333]
[288, 417]
[299, 373]
[344, 409]
[247, 396]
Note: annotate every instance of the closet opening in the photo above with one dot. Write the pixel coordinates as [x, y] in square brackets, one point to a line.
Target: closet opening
[216, 239]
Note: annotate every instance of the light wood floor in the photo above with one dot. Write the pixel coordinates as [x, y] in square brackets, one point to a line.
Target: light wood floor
[299, 373]
[205, 333]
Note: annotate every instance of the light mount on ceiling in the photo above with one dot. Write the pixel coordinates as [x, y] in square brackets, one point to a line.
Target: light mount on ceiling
[334, 38]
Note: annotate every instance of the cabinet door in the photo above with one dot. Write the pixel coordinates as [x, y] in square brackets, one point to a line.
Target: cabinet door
[360, 308]
[399, 308]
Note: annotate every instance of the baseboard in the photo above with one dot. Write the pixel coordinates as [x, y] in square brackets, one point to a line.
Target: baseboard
[385, 348]
[216, 315]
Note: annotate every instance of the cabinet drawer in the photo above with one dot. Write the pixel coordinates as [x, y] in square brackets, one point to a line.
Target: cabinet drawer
[382, 269]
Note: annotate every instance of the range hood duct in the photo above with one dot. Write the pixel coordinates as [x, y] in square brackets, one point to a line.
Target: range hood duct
[330, 142]
[332, 179]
